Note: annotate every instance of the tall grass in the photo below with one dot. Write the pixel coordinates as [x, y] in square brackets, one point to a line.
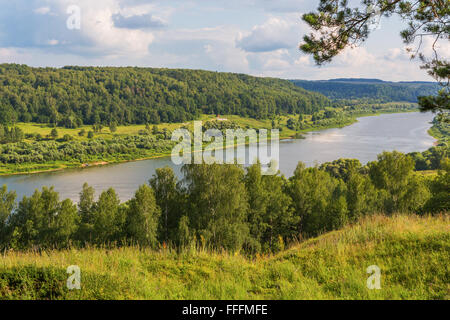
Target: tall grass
[412, 252]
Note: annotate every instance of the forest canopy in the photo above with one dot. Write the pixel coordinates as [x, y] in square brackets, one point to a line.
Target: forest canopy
[371, 89]
[73, 96]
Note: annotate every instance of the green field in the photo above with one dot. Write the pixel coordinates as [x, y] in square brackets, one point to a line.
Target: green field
[412, 253]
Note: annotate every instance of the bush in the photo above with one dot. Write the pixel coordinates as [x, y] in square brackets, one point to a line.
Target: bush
[32, 282]
[67, 137]
[54, 133]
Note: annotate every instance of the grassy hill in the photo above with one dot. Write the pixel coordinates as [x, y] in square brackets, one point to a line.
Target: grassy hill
[412, 252]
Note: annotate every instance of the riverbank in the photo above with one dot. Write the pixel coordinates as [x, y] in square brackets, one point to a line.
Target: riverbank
[285, 133]
[441, 132]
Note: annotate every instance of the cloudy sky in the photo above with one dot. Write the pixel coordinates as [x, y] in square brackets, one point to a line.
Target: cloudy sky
[258, 37]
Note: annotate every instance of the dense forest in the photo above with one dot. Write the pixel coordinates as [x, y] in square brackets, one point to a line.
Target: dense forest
[73, 96]
[370, 90]
[225, 206]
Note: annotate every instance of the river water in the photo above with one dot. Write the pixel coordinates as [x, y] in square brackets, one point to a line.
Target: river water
[364, 140]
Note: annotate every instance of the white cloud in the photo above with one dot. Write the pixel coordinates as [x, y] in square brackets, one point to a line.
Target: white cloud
[274, 62]
[6, 54]
[276, 33]
[266, 44]
[99, 35]
[143, 21]
[442, 47]
[11, 55]
[303, 61]
[355, 57]
[42, 10]
[227, 57]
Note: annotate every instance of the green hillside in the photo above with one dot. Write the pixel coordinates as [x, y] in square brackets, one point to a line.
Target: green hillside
[73, 96]
[370, 90]
[412, 253]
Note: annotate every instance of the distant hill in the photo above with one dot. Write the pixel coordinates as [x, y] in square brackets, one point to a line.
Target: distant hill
[361, 80]
[72, 96]
[370, 89]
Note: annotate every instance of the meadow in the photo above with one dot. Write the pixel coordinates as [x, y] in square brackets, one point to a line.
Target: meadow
[411, 251]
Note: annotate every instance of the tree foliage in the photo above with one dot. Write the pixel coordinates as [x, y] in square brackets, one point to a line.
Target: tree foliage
[73, 96]
[370, 90]
[336, 25]
[224, 207]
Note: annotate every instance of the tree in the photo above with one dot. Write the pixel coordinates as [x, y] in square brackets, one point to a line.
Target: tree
[169, 199]
[337, 26]
[440, 186]
[85, 210]
[108, 219]
[54, 133]
[113, 127]
[97, 128]
[362, 197]
[281, 223]
[394, 173]
[292, 124]
[64, 225]
[12, 135]
[82, 133]
[7, 207]
[142, 218]
[7, 115]
[184, 233]
[318, 200]
[270, 214]
[30, 225]
[257, 205]
[42, 221]
[342, 168]
[90, 135]
[217, 204]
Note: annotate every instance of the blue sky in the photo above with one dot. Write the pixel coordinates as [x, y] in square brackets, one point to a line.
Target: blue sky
[258, 37]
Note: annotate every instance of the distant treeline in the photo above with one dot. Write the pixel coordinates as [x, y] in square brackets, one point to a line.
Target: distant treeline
[225, 206]
[73, 96]
[370, 90]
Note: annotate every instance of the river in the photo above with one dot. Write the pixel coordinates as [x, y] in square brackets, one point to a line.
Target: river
[364, 140]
